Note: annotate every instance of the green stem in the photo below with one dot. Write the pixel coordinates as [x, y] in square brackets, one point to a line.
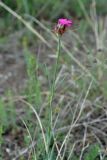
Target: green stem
[50, 132]
[54, 78]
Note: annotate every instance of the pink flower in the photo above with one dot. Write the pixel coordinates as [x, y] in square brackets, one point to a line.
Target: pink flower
[62, 26]
[65, 22]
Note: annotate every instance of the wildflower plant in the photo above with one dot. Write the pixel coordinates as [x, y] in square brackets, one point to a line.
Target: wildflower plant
[62, 25]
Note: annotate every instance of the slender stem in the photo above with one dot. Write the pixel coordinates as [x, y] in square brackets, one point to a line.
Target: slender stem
[55, 70]
[54, 78]
[50, 132]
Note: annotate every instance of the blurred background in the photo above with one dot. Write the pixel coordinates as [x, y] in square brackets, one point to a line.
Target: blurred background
[51, 10]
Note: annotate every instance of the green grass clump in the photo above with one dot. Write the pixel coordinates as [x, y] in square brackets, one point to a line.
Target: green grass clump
[34, 92]
[93, 153]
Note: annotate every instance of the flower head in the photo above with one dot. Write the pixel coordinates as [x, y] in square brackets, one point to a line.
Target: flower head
[62, 25]
[65, 22]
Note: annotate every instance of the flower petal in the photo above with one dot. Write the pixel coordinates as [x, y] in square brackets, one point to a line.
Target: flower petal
[64, 21]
